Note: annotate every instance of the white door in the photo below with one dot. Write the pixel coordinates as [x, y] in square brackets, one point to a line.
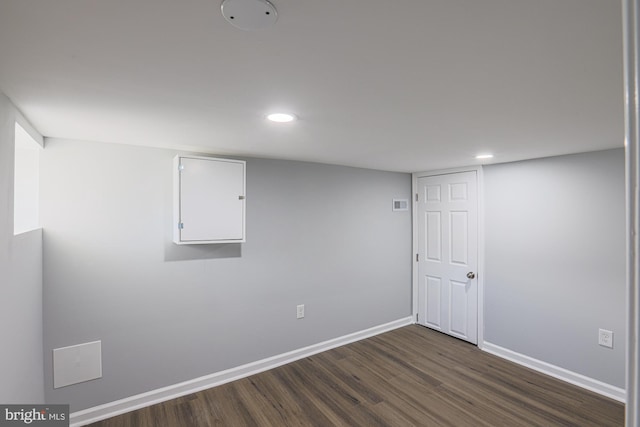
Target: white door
[448, 254]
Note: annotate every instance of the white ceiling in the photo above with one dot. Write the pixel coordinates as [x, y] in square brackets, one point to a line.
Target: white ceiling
[403, 85]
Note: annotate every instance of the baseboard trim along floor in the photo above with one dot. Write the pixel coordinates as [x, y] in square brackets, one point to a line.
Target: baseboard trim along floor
[108, 410]
[571, 377]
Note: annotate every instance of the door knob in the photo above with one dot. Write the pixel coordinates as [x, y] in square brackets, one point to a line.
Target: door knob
[471, 275]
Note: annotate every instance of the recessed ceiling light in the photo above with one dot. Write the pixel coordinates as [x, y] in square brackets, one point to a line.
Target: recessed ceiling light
[484, 156]
[281, 117]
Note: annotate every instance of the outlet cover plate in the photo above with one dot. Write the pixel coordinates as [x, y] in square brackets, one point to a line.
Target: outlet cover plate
[300, 311]
[605, 338]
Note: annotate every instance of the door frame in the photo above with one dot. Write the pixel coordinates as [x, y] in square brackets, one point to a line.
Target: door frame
[414, 219]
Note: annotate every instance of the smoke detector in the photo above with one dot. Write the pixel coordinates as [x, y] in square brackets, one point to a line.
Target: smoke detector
[249, 15]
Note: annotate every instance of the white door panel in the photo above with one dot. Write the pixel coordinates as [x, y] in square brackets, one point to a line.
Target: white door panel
[448, 251]
[459, 238]
[458, 306]
[433, 236]
[434, 287]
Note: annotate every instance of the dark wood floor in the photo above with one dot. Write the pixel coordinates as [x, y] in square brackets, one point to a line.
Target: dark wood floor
[412, 376]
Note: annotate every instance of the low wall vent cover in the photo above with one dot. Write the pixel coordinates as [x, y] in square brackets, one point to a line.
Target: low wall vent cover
[400, 204]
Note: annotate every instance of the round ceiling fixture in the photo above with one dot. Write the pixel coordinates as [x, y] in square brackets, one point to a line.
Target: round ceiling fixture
[249, 15]
[281, 117]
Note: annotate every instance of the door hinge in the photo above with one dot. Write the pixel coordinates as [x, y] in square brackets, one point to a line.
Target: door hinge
[416, 197]
[417, 257]
[180, 226]
[417, 317]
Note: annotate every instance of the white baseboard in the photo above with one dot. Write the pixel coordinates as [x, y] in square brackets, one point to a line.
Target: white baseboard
[574, 378]
[108, 410]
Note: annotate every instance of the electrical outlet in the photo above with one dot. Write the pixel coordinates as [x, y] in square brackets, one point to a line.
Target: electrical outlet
[300, 311]
[605, 338]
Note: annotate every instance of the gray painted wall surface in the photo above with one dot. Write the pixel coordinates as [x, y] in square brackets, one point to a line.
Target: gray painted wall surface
[324, 236]
[555, 261]
[21, 377]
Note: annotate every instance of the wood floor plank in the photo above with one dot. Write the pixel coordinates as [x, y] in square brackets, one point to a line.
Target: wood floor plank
[411, 376]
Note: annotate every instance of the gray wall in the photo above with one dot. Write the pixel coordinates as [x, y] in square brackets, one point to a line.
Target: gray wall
[319, 235]
[21, 378]
[555, 261]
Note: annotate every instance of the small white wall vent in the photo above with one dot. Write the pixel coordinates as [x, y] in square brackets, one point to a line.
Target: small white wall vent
[249, 15]
[400, 204]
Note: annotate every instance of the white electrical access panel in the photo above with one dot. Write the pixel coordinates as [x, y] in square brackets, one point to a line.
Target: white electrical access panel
[209, 200]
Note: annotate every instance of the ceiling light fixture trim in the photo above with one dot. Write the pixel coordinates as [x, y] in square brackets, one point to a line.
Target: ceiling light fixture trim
[249, 15]
[282, 117]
